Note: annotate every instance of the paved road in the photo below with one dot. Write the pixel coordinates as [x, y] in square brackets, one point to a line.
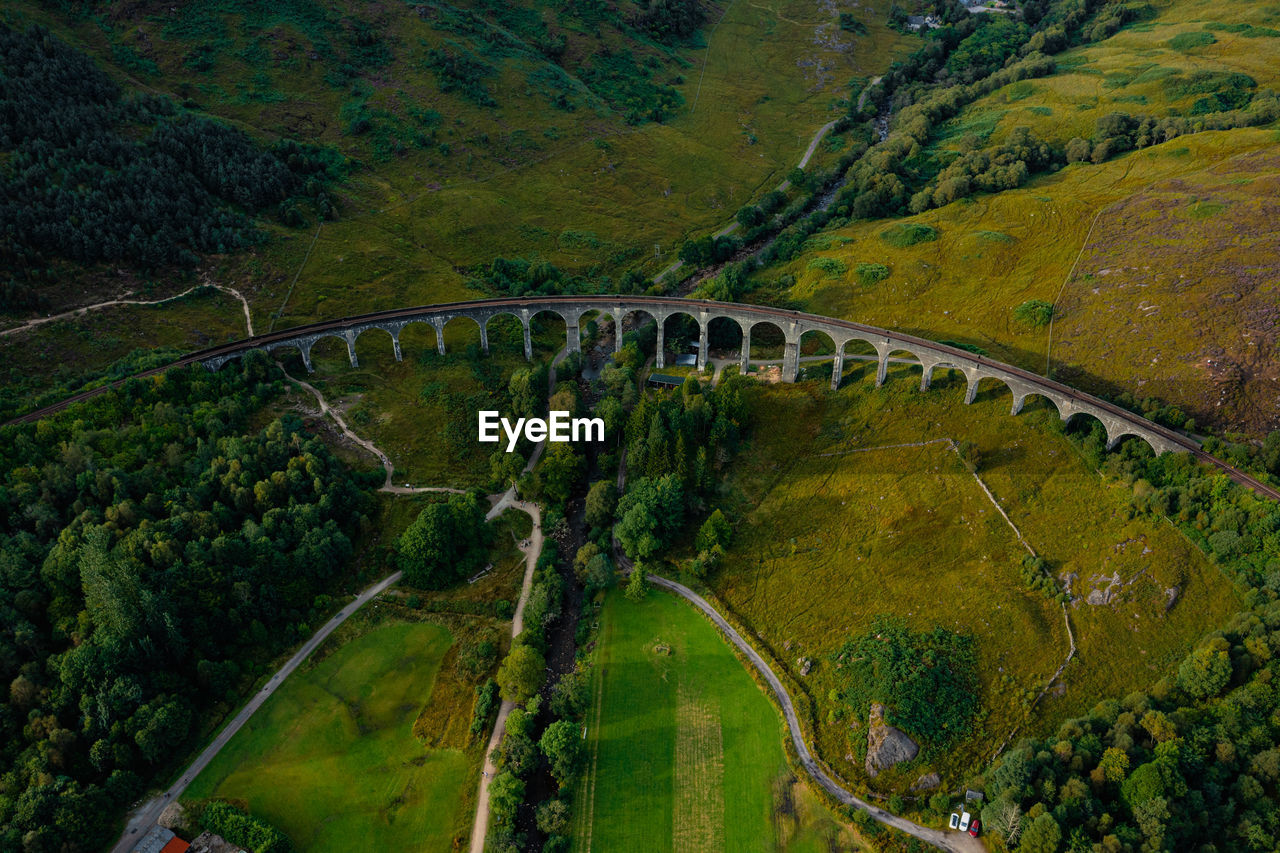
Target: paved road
[953, 841]
[145, 817]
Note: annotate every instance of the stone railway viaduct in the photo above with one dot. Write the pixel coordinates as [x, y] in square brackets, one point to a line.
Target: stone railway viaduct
[794, 325]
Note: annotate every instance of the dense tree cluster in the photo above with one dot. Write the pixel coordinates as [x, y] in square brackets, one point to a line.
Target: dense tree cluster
[1004, 167]
[446, 543]
[459, 70]
[154, 546]
[676, 445]
[243, 830]
[1118, 132]
[629, 86]
[670, 21]
[90, 175]
[1193, 766]
[1238, 529]
[927, 681]
[522, 678]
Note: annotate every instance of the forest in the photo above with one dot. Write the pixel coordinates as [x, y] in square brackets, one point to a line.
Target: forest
[148, 570]
[92, 175]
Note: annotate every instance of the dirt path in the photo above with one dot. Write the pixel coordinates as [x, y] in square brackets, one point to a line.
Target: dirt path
[953, 841]
[141, 821]
[782, 187]
[80, 312]
[387, 485]
[480, 828]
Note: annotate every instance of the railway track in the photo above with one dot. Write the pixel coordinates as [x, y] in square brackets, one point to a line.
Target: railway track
[640, 303]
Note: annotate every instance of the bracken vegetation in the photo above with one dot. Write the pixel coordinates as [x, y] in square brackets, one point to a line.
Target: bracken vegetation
[927, 680]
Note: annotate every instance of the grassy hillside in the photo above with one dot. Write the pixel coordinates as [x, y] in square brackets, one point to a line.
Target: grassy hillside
[463, 114]
[851, 507]
[1158, 262]
[474, 131]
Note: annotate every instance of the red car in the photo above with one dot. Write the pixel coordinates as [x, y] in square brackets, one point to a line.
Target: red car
[975, 827]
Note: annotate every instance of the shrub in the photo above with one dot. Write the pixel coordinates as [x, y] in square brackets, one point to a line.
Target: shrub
[928, 681]
[1034, 312]
[486, 704]
[243, 829]
[905, 234]
[1190, 41]
[850, 24]
[829, 267]
[445, 543]
[869, 274]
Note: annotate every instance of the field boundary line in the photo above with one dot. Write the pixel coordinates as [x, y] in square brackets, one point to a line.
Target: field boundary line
[1048, 350]
[710, 37]
[280, 311]
[586, 817]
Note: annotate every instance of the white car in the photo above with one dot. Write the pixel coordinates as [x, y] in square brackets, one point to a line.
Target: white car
[964, 822]
[955, 820]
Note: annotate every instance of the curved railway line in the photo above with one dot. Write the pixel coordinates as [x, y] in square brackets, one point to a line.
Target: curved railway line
[667, 305]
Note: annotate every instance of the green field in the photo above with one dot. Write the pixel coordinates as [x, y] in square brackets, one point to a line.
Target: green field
[824, 544]
[331, 758]
[685, 752]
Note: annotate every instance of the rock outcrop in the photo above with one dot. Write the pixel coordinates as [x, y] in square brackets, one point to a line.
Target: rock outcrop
[886, 746]
[927, 782]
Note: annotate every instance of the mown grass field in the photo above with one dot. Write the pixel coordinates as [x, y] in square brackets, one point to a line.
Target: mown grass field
[331, 759]
[825, 543]
[685, 752]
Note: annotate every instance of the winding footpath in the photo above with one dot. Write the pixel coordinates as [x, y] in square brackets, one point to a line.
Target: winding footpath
[80, 312]
[957, 842]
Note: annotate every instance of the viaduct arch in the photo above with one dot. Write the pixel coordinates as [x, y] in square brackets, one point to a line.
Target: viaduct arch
[794, 324]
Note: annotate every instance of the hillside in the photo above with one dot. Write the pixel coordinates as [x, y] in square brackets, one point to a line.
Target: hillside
[1123, 184]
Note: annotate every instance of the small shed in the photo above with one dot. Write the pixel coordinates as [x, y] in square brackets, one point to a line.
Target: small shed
[665, 380]
[686, 360]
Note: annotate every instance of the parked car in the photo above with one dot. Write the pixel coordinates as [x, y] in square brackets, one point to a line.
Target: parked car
[975, 827]
[955, 820]
[964, 821]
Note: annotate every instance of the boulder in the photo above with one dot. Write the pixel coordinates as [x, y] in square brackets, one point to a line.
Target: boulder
[886, 745]
[173, 816]
[927, 782]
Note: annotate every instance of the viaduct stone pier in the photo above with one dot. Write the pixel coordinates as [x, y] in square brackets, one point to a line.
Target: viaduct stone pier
[794, 325]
